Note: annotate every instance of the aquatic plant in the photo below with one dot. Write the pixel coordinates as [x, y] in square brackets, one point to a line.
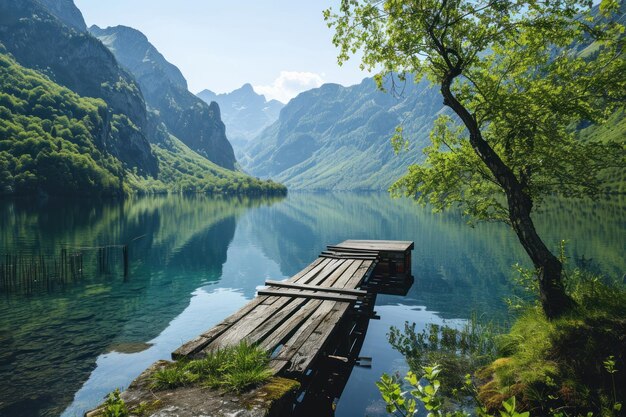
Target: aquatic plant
[458, 351]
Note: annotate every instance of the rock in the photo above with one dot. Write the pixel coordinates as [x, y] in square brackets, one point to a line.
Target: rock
[78, 61]
[67, 12]
[197, 124]
[270, 399]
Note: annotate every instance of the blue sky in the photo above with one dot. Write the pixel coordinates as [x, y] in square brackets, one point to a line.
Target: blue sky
[281, 47]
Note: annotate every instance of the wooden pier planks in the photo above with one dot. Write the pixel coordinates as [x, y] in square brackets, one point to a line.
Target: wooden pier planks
[285, 284]
[373, 245]
[295, 318]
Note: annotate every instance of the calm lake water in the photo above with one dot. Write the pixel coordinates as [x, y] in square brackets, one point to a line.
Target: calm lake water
[195, 260]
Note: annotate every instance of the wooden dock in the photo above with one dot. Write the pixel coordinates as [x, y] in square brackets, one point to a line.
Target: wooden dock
[294, 319]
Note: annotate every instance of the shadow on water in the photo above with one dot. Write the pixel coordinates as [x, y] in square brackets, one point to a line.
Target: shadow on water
[49, 341]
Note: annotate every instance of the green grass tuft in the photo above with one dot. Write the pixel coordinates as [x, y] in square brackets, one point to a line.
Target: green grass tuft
[234, 369]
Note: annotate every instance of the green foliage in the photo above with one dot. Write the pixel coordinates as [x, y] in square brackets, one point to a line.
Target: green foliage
[48, 137]
[234, 368]
[510, 409]
[184, 171]
[513, 77]
[612, 131]
[114, 406]
[51, 142]
[426, 390]
[554, 365]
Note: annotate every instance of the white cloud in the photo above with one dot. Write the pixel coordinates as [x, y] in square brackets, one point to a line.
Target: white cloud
[289, 84]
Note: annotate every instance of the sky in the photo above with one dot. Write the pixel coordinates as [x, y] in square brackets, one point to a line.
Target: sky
[281, 47]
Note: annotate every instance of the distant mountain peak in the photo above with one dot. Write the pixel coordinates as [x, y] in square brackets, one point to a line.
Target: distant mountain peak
[206, 92]
[244, 112]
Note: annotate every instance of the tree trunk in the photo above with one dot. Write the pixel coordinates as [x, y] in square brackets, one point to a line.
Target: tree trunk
[552, 294]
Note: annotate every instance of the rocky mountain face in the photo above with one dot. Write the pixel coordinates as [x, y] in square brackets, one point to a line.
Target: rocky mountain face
[196, 123]
[67, 12]
[338, 138]
[78, 61]
[245, 114]
[75, 122]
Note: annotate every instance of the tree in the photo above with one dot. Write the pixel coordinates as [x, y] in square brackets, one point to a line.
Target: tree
[516, 85]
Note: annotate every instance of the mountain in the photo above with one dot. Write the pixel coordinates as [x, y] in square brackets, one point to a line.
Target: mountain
[197, 124]
[75, 122]
[79, 62]
[67, 12]
[245, 114]
[337, 138]
[51, 138]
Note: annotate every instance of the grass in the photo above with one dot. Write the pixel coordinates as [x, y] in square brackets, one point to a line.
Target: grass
[571, 366]
[562, 364]
[234, 369]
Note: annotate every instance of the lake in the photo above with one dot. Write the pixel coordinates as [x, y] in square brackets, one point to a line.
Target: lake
[193, 260]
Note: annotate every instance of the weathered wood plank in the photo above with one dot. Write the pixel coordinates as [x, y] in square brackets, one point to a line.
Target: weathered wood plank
[288, 327]
[359, 275]
[326, 280]
[277, 365]
[335, 248]
[242, 328]
[349, 266]
[200, 342]
[305, 330]
[358, 254]
[283, 284]
[316, 295]
[344, 279]
[334, 256]
[322, 263]
[330, 265]
[191, 347]
[314, 344]
[379, 245]
[269, 326]
[263, 308]
[313, 265]
[239, 314]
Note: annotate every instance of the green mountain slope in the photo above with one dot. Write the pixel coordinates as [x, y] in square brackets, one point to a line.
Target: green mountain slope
[191, 120]
[78, 61]
[49, 137]
[338, 138]
[183, 170]
[54, 140]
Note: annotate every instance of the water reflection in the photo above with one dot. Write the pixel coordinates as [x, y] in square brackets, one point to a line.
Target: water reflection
[49, 342]
[201, 259]
[458, 269]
